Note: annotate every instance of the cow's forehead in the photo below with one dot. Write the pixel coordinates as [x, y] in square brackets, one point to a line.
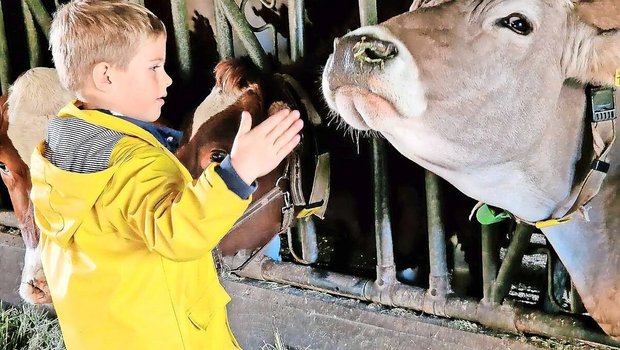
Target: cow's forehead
[478, 4]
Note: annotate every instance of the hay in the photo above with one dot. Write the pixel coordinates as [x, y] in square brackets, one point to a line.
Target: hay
[28, 328]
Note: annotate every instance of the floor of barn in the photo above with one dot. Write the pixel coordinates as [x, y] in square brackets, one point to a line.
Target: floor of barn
[264, 313]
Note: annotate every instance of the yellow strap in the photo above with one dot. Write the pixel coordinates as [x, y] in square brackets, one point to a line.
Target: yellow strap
[552, 222]
[618, 77]
[304, 213]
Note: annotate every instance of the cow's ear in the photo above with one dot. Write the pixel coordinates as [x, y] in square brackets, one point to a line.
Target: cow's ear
[596, 56]
[426, 3]
[602, 14]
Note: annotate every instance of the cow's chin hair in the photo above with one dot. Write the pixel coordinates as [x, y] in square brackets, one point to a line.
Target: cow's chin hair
[362, 109]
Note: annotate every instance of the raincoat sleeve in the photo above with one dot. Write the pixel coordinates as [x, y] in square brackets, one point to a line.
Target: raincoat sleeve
[179, 219]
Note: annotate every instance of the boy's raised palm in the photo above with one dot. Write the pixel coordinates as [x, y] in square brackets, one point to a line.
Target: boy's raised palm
[256, 152]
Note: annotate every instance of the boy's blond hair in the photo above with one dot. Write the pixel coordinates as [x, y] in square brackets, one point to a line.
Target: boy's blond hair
[87, 32]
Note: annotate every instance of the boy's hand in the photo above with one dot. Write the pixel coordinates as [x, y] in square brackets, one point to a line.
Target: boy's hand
[256, 152]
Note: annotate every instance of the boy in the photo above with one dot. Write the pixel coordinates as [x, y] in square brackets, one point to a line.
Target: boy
[126, 234]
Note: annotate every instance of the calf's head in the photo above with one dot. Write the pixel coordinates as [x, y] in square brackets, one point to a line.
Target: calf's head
[212, 131]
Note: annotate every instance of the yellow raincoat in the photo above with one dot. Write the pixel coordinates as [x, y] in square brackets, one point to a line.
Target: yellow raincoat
[127, 250]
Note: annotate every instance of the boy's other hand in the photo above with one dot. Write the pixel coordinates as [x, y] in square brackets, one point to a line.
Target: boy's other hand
[256, 152]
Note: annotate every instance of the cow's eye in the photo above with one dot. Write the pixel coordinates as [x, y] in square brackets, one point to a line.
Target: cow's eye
[218, 155]
[3, 168]
[517, 23]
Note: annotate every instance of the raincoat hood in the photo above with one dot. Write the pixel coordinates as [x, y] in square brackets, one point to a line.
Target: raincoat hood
[60, 208]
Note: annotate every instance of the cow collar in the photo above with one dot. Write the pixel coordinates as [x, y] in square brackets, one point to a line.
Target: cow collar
[577, 203]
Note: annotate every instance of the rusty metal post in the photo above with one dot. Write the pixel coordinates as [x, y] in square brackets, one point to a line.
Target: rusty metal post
[43, 19]
[386, 270]
[296, 28]
[32, 37]
[512, 261]
[4, 56]
[245, 34]
[439, 279]
[489, 258]
[181, 36]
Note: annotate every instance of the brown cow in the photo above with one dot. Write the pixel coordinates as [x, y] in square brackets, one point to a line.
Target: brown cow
[490, 95]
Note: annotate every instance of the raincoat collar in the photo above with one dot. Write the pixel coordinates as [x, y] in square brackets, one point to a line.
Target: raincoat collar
[109, 121]
[168, 137]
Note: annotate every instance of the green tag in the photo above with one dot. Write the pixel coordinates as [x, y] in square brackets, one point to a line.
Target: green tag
[487, 216]
[618, 77]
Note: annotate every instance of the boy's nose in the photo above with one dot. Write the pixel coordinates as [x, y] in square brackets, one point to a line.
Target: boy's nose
[167, 79]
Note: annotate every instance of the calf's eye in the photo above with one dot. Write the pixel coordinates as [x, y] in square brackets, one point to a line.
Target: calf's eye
[516, 22]
[218, 155]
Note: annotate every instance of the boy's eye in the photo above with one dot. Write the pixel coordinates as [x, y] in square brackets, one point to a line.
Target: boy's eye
[155, 67]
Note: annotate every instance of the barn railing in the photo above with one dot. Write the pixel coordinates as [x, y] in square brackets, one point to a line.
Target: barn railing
[438, 300]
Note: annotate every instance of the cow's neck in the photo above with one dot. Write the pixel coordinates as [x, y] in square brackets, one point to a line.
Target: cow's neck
[530, 184]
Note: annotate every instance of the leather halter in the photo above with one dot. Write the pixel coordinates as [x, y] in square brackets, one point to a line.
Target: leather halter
[294, 198]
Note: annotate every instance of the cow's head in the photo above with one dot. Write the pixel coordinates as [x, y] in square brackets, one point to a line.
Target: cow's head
[213, 128]
[35, 96]
[472, 89]
[490, 95]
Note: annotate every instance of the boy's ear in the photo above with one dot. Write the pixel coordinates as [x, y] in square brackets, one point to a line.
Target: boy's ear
[101, 76]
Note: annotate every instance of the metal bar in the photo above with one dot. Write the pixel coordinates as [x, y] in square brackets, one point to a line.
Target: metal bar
[439, 279]
[4, 56]
[512, 261]
[245, 34]
[32, 37]
[368, 12]
[181, 36]
[223, 34]
[296, 29]
[386, 270]
[306, 233]
[513, 318]
[43, 19]
[489, 258]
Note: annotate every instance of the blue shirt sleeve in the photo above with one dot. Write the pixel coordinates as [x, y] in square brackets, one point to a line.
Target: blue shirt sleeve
[234, 182]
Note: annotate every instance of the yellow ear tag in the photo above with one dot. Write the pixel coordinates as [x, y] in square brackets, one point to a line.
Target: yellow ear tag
[618, 77]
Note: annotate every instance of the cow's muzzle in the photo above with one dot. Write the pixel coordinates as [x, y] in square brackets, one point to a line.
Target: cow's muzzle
[356, 56]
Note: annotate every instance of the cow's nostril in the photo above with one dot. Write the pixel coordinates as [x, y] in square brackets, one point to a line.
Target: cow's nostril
[373, 51]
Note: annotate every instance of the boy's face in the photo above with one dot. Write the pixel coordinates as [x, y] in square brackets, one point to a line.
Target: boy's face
[139, 90]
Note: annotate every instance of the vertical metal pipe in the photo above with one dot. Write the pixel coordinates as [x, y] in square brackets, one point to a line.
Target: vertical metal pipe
[489, 261]
[223, 34]
[4, 56]
[386, 270]
[43, 19]
[306, 232]
[241, 27]
[512, 261]
[32, 37]
[296, 28]
[368, 12]
[439, 279]
[181, 36]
